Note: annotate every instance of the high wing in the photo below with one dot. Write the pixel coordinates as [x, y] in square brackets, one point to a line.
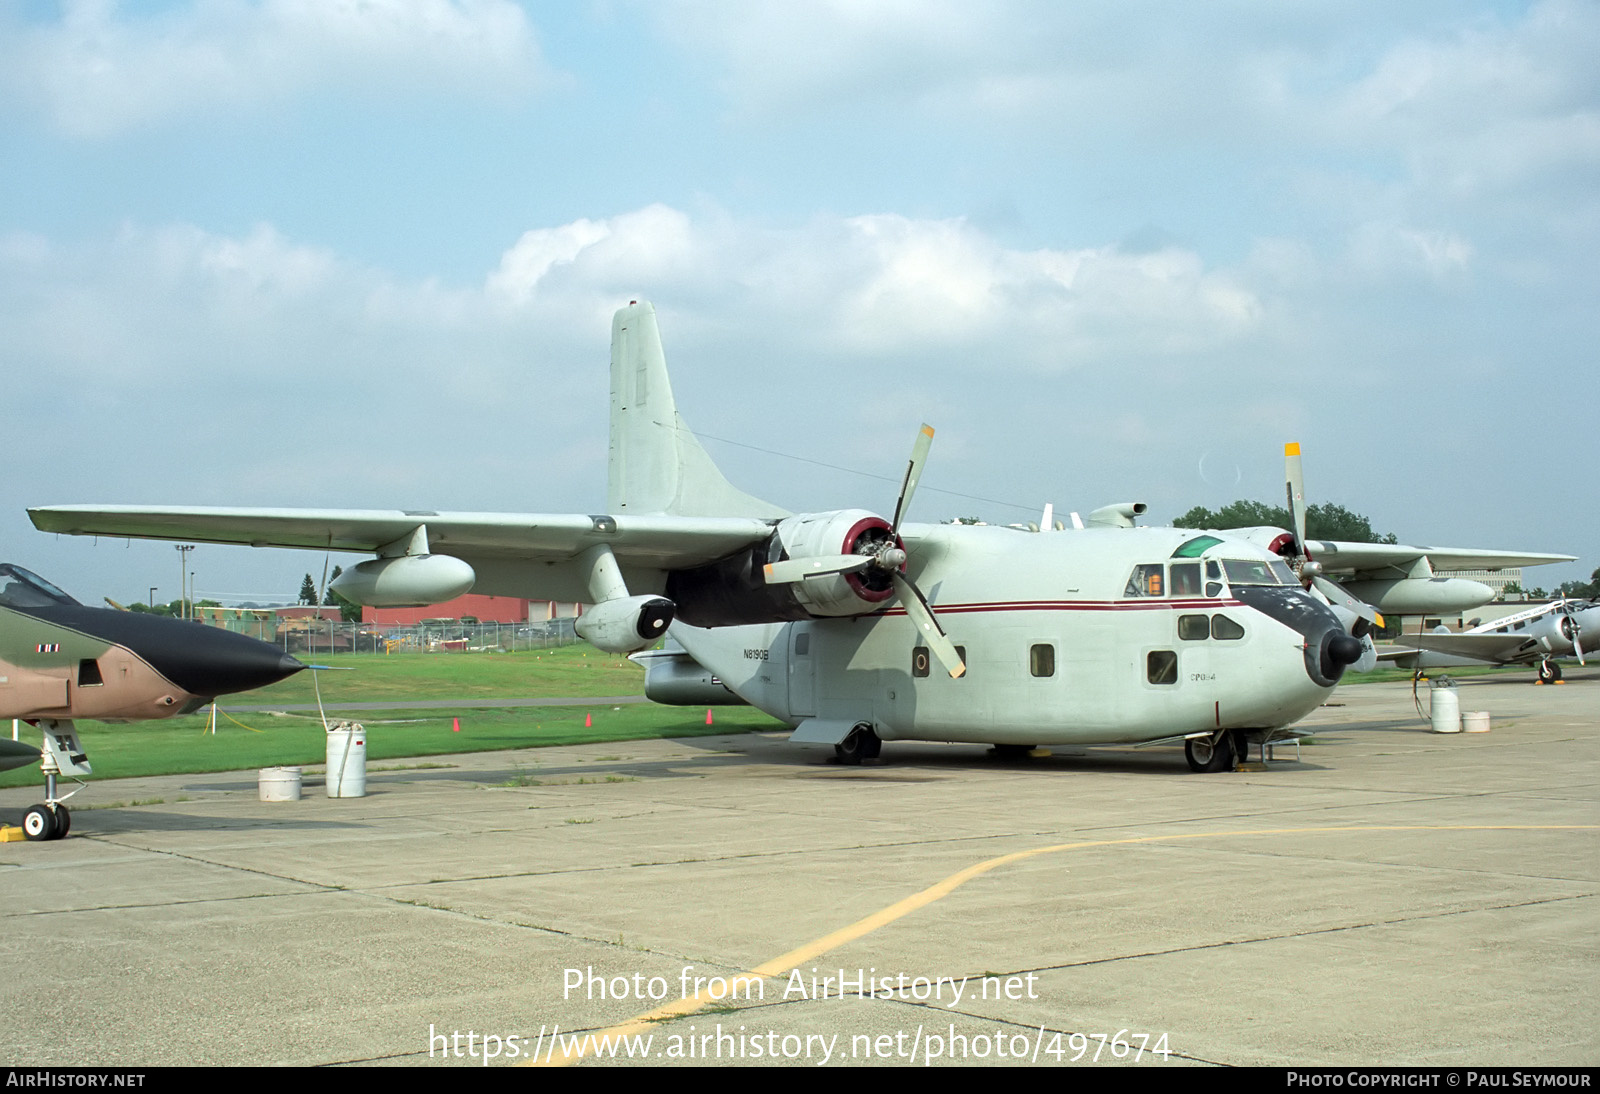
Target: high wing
[667, 542]
[1400, 560]
[640, 544]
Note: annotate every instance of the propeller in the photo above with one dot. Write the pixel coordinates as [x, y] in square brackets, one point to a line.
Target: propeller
[1571, 629]
[886, 556]
[1309, 569]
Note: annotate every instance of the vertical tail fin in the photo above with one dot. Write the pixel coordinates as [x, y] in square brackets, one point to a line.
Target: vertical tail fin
[657, 465]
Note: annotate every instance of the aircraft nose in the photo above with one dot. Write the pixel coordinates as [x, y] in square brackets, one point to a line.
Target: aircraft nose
[222, 663]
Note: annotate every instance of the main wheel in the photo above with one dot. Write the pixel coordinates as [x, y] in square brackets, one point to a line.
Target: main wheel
[39, 823]
[860, 744]
[63, 822]
[1549, 672]
[1012, 752]
[1208, 754]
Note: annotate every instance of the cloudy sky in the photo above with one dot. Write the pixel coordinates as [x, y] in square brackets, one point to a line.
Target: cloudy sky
[364, 253]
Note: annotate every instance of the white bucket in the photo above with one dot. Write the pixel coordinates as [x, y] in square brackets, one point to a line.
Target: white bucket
[279, 784]
[347, 761]
[1445, 707]
[1475, 721]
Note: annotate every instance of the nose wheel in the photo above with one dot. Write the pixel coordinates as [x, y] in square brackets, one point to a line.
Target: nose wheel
[44, 822]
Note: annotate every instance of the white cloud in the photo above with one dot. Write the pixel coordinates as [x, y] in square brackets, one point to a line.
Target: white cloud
[102, 70]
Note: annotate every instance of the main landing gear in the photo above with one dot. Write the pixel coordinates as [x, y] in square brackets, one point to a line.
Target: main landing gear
[861, 743]
[1210, 754]
[1549, 672]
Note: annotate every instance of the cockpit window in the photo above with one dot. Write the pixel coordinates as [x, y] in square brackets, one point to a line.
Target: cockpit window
[1286, 576]
[1250, 572]
[1185, 578]
[1193, 548]
[21, 589]
[1146, 580]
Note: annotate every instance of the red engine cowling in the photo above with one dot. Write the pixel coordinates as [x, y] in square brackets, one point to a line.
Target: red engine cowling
[827, 535]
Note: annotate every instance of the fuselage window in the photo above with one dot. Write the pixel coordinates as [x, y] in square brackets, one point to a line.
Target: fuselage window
[1145, 581]
[1042, 659]
[1224, 629]
[1161, 667]
[1194, 628]
[1213, 577]
[920, 661]
[1185, 579]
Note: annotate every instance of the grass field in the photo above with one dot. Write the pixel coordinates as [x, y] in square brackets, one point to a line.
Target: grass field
[253, 740]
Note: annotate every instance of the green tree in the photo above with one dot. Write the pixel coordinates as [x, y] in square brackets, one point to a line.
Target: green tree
[1587, 589]
[308, 591]
[1322, 521]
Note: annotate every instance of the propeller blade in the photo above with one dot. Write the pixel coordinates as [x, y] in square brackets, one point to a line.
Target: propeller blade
[1337, 595]
[1296, 488]
[919, 456]
[916, 606]
[798, 569]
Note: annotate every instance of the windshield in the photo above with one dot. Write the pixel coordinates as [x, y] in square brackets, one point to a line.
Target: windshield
[21, 589]
[1257, 572]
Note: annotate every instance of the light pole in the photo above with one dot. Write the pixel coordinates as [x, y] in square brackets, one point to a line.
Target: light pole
[183, 550]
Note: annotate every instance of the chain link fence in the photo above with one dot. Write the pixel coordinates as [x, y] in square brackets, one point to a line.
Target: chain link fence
[312, 636]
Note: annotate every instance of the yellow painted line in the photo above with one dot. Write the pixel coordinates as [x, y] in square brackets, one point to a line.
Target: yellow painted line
[810, 951]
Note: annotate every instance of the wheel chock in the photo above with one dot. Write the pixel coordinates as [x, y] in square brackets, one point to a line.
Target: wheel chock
[11, 834]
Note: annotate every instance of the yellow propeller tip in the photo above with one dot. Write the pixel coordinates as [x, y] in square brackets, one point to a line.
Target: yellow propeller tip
[1292, 448]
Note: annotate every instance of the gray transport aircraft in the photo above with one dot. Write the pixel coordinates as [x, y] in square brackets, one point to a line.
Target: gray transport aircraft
[60, 660]
[1539, 634]
[834, 622]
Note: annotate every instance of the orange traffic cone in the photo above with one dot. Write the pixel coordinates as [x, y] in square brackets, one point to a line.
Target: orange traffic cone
[455, 725]
[708, 715]
[588, 721]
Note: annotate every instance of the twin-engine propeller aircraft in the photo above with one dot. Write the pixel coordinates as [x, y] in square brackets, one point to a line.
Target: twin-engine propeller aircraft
[834, 622]
[1540, 634]
[60, 660]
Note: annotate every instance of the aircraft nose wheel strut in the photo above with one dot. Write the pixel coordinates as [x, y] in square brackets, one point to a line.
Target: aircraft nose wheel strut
[50, 819]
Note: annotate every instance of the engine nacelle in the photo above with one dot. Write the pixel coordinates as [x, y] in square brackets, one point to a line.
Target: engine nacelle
[734, 591]
[408, 581]
[1421, 595]
[824, 535]
[626, 624]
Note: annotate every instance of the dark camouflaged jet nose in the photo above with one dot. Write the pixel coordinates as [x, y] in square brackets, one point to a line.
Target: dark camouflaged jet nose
[204, 661]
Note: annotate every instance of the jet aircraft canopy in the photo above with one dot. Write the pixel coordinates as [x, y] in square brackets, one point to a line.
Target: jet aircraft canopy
[24, 589]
